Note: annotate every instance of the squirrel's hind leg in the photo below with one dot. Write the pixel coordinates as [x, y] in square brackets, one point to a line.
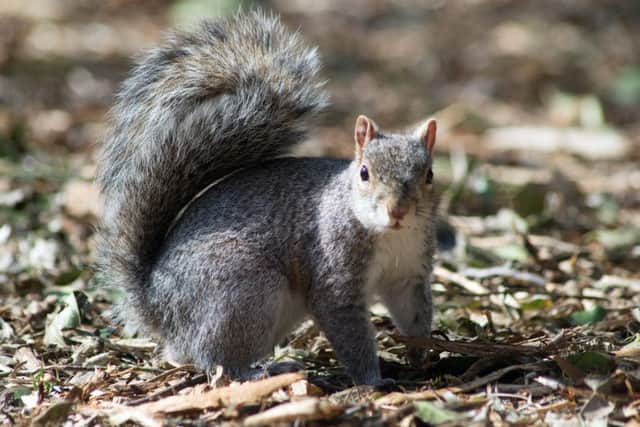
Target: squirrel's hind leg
[244, 314]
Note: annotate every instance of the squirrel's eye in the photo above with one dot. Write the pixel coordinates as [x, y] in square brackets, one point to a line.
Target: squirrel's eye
[429, 176]
[364, 173]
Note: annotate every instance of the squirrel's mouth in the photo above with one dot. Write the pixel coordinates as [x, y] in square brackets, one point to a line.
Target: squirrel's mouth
[395, 226]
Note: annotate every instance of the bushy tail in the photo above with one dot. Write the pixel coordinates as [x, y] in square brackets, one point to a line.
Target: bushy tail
[230, 94]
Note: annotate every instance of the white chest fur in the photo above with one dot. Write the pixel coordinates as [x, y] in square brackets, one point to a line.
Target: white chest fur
[398, 256]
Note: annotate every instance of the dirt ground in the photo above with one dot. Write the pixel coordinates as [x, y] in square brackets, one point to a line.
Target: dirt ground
[537, 303]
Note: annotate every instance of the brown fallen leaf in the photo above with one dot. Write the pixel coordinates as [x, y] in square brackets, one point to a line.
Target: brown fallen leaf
[232, 395]
[27, 357]
[81, 199]
[119, 415]
[306, 409]
[54, 415]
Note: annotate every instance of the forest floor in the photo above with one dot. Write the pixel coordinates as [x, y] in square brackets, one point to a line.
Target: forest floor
[537, 304]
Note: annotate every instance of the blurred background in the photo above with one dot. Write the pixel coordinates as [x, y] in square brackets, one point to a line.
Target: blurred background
[538, 105]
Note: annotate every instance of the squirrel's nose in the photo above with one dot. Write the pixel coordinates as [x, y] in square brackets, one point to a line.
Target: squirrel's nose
[397, 212]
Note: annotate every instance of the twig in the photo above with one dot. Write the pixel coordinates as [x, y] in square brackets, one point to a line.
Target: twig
[534, 390]
[173, 389]
[473, 348]
[451, 276]
[566, 404]
[496, 375]
[506, 272]
[165, 374]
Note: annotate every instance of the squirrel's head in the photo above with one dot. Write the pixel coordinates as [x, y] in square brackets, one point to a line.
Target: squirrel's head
[393, 176]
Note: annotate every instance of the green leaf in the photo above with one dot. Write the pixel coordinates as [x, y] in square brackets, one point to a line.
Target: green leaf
[67, 276]
[19, 392]
[536, 304]
[592, 362]
[530, 200]
[596, 314]
[431, 413]
[626, 87]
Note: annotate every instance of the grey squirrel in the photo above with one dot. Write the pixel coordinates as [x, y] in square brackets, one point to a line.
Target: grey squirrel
[221, 243]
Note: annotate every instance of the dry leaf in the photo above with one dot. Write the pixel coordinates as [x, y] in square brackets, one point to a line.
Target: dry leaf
[81, 199]
[27, 356]
[53, 416]
[128, 414]
[232, 395]
[306, 409]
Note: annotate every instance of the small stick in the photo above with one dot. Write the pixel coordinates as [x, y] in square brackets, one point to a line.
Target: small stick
[189, 382]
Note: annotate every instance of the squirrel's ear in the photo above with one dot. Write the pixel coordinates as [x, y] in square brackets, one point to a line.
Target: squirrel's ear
[366, 130]
[427, 134]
